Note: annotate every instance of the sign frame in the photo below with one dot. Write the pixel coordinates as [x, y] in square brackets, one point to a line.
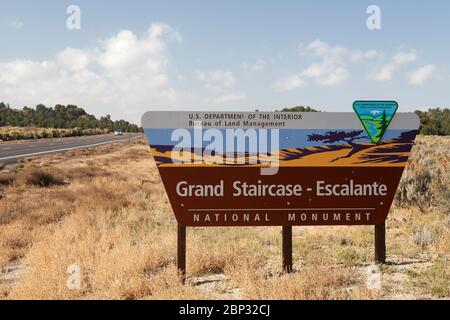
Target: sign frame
[160, 153]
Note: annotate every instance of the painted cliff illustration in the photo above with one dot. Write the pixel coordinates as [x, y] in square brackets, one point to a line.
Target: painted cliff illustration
[298, 148]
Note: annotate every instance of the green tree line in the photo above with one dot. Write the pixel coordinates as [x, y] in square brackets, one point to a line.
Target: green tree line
[299, 109]
[60, 117]
[435, 122]
[432, 122]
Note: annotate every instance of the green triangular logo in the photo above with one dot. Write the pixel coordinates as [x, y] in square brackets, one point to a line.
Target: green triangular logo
[375, 116]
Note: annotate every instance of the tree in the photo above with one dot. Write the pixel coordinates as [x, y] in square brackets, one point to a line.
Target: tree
[299, 109]
[70, 116]
[382, 126]
[345, 136]
[434, 121]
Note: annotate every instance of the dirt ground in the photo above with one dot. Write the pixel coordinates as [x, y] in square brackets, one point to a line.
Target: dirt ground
[103, 212]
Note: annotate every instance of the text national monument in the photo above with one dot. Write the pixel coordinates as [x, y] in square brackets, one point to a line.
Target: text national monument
[282, 168]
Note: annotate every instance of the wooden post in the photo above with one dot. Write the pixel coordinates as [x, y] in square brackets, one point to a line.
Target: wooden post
[287, 249]
[380, 243]
[181, 252]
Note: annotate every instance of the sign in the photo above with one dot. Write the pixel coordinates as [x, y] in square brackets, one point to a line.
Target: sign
[281, 169]
[375, 116]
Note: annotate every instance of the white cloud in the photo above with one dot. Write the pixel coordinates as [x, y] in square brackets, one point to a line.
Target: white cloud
[336, 55]
[257, 66]
[220, 85]
[404, 57]
[420, 75]
[289, 83]
[387, 71]
[230, 98]
[332, 69]
[123, 75]
[335, 77]
[15, 24]
[216, 78]
[73, 59]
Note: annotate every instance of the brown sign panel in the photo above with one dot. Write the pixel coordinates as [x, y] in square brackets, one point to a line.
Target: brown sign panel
[271, 169]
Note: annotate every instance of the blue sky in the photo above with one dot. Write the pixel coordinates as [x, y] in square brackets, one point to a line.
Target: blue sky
[133, 56]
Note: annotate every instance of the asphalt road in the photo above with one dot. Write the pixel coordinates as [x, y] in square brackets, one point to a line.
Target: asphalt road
[11, 152]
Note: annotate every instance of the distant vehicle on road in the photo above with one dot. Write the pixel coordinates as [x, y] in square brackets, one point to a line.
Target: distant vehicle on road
[118, 132]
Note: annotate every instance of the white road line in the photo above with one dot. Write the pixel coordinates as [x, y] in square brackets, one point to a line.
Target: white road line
[65, 149]
[282, 209]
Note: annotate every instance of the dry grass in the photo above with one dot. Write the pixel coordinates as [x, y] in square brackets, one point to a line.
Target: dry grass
[38, 177]
[426, 180]
[111, 218]
[7, 179]
[8, 133]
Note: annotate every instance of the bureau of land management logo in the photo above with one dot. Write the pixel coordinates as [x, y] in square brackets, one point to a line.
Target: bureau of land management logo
[375, 117]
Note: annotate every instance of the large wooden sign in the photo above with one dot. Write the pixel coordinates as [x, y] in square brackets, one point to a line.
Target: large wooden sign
[281, 169]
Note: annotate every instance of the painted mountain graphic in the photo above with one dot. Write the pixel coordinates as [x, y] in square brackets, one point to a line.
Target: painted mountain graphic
[344, 151]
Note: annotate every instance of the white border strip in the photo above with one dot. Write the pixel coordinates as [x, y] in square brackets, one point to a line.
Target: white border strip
[283, 209]
[309, 120]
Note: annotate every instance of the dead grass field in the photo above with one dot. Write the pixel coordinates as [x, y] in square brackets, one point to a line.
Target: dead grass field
[8, 133]
[105, 210]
